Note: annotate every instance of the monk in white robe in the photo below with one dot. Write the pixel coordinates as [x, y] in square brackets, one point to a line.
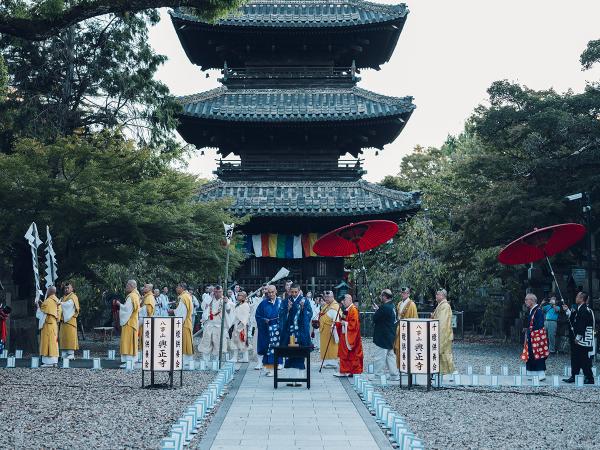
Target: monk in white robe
[241, 319]
[67, 337]
[211, 320]
[128, 318]
[48, 313]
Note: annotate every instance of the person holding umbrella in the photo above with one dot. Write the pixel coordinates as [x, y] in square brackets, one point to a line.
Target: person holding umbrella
[535, 347]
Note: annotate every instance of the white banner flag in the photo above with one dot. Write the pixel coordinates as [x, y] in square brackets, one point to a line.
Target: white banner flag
[51, 265]
[33, 238]
[228, 231]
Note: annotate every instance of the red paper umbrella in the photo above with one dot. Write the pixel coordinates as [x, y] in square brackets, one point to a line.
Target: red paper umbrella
[542, 243]
[355, 238]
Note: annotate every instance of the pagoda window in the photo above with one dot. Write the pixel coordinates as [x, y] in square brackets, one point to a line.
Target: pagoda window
[255, 267]
[321, 268]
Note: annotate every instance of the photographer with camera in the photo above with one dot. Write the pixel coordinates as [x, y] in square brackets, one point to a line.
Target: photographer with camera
[551, 311]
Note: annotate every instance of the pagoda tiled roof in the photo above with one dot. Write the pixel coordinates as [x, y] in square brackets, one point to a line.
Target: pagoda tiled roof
[316, 198]
[294, 105]
[306, 13]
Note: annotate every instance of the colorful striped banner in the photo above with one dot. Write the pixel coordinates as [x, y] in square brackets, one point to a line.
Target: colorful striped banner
[308, 241]
[281, 245]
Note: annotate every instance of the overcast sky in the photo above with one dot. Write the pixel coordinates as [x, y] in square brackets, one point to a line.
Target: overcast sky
[448, 55]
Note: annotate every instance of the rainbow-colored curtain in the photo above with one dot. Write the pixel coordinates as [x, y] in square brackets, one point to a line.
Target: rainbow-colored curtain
[274, 245]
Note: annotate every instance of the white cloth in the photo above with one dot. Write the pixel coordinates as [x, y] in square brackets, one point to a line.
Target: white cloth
[49, 359]
[68, 309]
[125, 311]
[241, 314]
[180, 311]
[332, 314]
[41, 317]
[143, 312]
[162, 305]
[402, 307]
[229, 315]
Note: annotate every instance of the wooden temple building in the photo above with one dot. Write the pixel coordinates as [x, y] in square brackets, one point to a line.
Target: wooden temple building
[290, 111]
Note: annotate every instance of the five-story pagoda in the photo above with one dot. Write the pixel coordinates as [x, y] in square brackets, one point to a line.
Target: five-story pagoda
[290, 111]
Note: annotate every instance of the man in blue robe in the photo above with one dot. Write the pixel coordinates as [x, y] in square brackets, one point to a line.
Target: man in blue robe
[267, 323]
[294, 318]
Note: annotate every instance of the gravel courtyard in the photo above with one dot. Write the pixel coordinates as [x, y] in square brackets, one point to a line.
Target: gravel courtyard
[500, 418]
[94, 409]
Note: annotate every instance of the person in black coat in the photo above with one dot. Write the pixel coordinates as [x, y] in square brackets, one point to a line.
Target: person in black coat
[384, 334]
[582, 324]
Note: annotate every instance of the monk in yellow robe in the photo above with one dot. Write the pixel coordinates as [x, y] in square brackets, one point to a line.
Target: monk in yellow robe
[128, 318]
[68, 323]
[443, 313]
[329, 315]
[185, 309]
[406, 309]
[48, 313]
[146, 309]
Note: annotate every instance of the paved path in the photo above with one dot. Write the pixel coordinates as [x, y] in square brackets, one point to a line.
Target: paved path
[325, 416]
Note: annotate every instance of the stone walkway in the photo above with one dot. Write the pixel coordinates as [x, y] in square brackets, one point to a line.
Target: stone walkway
[325, 416]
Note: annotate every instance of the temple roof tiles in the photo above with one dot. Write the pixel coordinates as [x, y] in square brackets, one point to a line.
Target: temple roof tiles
[315, 198]
[293, 105]
[306, 13]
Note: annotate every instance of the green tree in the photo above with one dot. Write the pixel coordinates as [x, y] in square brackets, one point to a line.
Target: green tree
[41, 19]
[95, 75]
[109, 203]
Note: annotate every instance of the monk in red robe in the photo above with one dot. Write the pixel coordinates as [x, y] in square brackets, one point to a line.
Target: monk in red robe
[350, 349]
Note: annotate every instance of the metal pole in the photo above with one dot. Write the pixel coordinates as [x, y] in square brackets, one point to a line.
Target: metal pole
[587, 209]
[554, 277]
[223, 308]
[362, 263]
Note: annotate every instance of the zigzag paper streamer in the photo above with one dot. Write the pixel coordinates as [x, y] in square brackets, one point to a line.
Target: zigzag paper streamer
[33, 238]
[51, 265]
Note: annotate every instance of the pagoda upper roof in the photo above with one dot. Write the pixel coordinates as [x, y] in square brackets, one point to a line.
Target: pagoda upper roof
[294, 105]
[306, 13]
[310, 198]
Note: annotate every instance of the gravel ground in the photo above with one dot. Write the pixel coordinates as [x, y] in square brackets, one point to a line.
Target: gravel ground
[506, 418]
[82, 408]
[530, 418]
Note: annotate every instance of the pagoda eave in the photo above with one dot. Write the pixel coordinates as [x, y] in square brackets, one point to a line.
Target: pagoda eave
[209, 46]
[311, 198]
[241, 137]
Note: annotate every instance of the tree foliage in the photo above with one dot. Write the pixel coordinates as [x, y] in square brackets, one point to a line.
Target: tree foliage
[94, 76]
[40, 19]
[505, 175]
[110, 203]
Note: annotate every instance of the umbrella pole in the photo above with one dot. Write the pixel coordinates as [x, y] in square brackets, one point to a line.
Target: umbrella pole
[554, 276]
[364, 269]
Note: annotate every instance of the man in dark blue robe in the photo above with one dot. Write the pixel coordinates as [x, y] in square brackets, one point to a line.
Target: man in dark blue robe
[269, 330]
[294, 318]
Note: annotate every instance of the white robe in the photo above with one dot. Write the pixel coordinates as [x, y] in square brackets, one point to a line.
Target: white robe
[68, 309]
[125, 311]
